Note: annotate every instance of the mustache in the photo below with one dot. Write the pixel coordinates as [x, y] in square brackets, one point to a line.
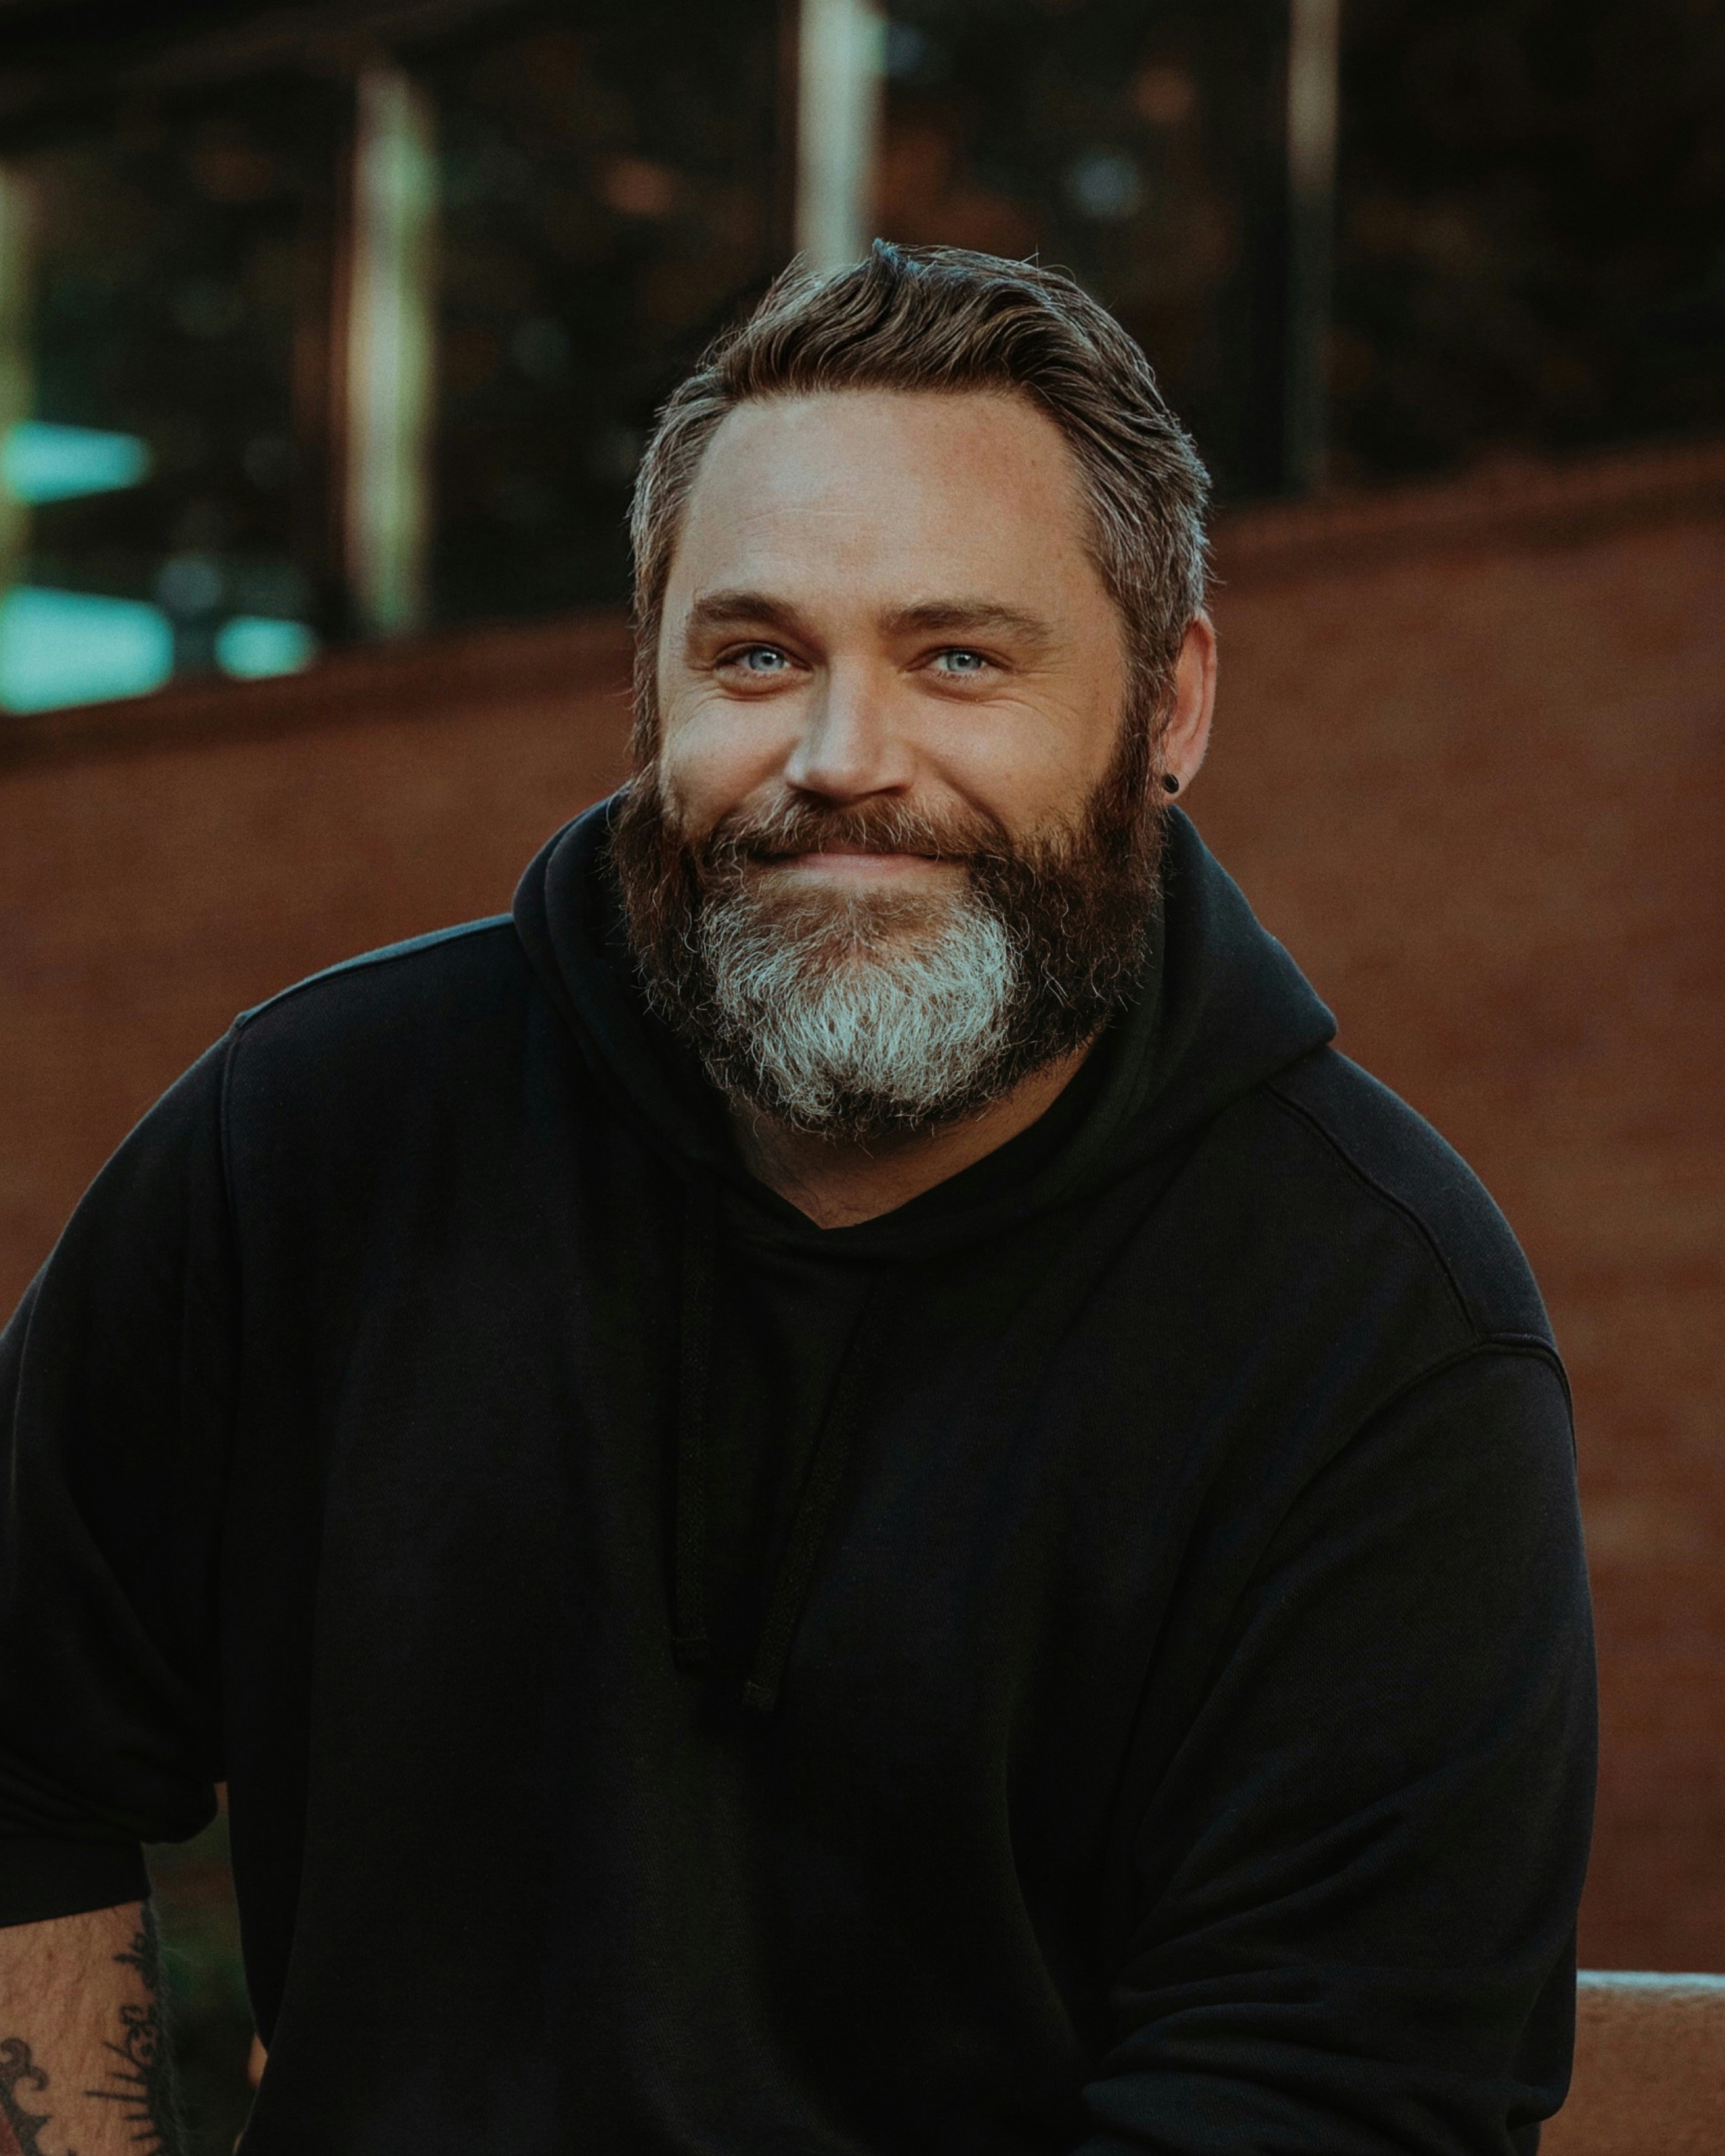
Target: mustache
[757, 838]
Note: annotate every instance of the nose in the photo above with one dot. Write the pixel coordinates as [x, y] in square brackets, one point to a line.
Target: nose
[850, 748]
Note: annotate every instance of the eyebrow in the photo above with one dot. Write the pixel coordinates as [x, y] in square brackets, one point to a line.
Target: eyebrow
[973, 617]
[955, 617]
[743, 609]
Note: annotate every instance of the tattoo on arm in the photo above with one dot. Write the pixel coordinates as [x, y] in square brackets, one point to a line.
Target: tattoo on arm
[20, 2130]
[142, 2075]
[139, 2079]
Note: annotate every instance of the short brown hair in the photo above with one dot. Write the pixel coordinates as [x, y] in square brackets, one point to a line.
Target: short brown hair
[945, 319]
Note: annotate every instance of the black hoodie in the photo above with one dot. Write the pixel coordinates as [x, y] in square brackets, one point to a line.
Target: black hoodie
[1096, 1659]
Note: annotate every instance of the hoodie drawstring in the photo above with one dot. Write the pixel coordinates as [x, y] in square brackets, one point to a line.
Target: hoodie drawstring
[815, 1500]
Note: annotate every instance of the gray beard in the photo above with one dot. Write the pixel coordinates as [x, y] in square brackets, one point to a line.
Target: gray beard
[905, 1007]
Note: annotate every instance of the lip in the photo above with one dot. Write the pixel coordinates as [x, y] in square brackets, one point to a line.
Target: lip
[837, 862]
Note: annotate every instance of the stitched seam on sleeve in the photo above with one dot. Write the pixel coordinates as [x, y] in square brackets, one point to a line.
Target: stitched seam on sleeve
[1389, 1197]
[387, 956]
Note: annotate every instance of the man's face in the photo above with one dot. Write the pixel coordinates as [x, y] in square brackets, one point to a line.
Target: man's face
[896, 851]
[881, 599]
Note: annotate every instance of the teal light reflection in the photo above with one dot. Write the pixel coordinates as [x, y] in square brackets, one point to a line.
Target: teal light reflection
[252, 645]
[59, 648]
[41, 461]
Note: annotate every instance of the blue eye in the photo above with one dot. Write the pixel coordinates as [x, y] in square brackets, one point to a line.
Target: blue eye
[760, 658]
[962, 661]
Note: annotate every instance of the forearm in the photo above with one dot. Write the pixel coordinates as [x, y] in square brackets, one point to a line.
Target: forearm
[85, 2069]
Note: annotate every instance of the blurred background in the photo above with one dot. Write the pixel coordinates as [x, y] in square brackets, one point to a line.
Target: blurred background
[329, 337]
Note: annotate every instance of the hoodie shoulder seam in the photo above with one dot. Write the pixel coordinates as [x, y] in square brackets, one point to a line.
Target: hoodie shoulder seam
[387, 955]
[1396, 1204]
[1514, 1346]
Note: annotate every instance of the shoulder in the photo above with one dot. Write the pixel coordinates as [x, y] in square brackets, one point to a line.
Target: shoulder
[464, 973]
[1389, 1162]
[396, 977]
[412, 1021]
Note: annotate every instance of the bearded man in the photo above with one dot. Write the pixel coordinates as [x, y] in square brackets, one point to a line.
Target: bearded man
[840, 1492]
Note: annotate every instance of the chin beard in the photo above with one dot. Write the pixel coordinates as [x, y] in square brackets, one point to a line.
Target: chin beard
[856, 1014]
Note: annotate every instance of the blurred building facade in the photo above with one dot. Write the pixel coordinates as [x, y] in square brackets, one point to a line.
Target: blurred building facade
[322, 322]
[328, 340]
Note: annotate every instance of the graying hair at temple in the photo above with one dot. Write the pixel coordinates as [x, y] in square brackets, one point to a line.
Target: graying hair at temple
[948, 321]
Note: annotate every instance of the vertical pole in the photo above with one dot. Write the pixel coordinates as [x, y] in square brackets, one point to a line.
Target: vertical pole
[389, 333]
[1314, 98]
[841, 57]
[17, 386]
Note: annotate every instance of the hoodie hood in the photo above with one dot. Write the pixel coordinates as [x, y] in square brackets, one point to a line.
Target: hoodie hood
[1221, 1008]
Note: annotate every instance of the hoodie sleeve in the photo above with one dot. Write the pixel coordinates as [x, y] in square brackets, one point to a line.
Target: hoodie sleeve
[115, 1391]
[1357, 1868]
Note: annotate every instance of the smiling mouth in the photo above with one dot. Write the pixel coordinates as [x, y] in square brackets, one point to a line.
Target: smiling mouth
[857, 861]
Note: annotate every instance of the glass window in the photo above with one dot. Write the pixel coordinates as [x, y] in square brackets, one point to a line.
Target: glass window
[1531, 233]
[610, 183]
[162, 492]
[1139, 147]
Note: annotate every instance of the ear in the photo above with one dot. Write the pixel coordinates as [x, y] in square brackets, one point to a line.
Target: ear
[1187, 734]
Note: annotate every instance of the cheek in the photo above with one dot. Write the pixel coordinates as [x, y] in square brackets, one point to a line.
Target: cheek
[715, 752]
[1023, 766]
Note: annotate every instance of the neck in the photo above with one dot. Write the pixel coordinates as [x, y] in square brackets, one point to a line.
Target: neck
[838, 1183]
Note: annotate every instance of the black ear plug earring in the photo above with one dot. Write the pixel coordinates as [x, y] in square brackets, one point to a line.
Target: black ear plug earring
[1170, 783]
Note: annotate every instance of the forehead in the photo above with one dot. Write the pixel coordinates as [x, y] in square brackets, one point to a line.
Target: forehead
[867, 487]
